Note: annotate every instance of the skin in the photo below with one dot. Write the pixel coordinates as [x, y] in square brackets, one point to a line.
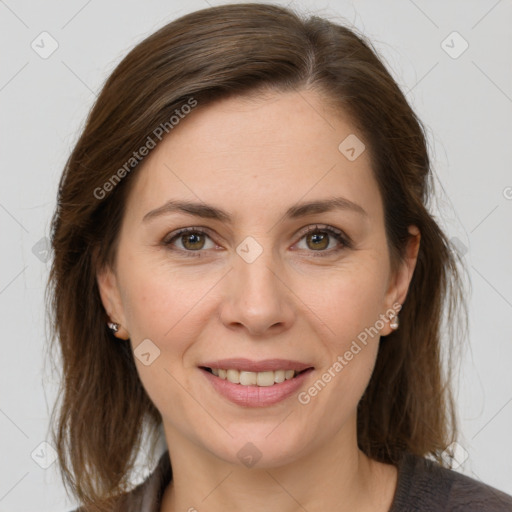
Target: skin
[254, 157]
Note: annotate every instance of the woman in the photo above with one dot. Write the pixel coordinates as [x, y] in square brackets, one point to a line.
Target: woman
[243, 257]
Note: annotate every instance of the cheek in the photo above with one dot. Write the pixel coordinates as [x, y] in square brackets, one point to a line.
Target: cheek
[160, 301]
[350, 307]
[352, 298]
[165, 307]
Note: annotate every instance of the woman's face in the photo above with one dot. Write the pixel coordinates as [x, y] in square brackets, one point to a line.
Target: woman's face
[247, 282]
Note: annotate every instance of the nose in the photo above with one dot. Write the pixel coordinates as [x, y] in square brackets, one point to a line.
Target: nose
[257, 297]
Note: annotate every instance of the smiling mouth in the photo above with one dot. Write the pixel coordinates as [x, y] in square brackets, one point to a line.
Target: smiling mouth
[262, 379]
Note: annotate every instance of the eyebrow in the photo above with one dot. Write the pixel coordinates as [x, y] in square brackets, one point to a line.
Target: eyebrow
[211, 212]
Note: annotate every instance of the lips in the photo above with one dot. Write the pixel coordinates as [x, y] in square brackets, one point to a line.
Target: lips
[251, 383]
[256, 389]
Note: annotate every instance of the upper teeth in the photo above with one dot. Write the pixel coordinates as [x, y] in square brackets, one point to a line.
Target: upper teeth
[254, 378]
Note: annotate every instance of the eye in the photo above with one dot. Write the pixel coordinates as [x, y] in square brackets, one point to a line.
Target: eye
[191, 240]
[319, 238]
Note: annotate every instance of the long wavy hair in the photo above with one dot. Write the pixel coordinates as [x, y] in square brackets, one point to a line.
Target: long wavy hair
[102, 410]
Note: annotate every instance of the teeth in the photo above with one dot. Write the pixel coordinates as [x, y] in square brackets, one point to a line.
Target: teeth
[265, 378]
[254, 378]
[248, 378]
[233, 376]
[279, 376]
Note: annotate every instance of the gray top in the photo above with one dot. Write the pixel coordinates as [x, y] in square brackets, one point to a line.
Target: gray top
[422, 486]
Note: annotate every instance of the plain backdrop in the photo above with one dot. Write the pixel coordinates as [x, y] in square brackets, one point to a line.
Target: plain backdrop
[452, 59]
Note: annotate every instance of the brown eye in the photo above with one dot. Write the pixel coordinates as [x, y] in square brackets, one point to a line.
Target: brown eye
[193, 241]
[319, 240]
[188, 241]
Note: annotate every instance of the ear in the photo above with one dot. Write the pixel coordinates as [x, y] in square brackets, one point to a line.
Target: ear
[401, 279]
[111, 299]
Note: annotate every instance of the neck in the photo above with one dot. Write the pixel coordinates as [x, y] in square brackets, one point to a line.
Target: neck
[332, 476]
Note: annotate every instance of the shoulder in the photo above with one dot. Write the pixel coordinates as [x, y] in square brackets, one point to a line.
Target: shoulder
[424, 485]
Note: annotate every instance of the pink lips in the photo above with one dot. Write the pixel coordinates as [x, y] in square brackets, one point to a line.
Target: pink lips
[256, 396]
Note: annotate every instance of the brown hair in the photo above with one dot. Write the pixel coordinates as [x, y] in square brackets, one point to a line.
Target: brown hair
[207, 55]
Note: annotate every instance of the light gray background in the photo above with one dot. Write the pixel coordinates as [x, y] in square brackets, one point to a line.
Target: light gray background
[466, 103]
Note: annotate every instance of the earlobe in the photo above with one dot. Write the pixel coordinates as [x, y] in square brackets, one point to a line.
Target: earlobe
[111, 300]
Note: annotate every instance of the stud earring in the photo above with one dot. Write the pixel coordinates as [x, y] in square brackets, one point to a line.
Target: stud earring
[113, 326]
[394, 322]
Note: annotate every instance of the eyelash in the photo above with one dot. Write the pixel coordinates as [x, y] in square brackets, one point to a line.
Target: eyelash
[338, 235]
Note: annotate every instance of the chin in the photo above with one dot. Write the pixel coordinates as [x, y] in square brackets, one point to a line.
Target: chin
[258, 449]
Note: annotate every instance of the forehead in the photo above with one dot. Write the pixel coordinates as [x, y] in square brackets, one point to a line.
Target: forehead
[257, 152]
